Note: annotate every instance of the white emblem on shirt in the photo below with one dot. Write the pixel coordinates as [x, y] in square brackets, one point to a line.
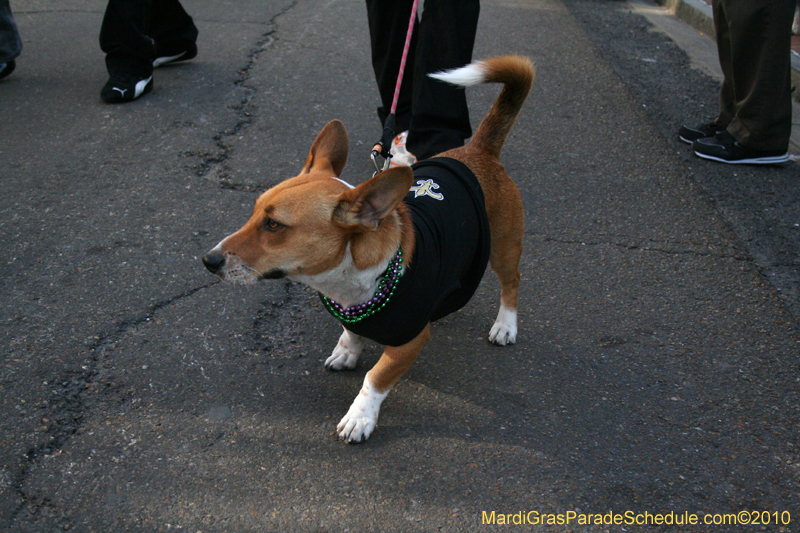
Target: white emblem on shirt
[425, 188]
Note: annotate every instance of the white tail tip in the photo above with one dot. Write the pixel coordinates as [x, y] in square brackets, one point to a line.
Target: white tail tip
[472, 74]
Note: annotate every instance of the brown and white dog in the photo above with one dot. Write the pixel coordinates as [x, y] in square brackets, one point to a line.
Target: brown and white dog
[339, 239]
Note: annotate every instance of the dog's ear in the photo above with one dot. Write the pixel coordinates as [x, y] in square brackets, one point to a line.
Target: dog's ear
[365, 207]
[330, 149]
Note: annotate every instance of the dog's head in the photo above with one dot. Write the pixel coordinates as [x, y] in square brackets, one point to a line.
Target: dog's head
[301, 227]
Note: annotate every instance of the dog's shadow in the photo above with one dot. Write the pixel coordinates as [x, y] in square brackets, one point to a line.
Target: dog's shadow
[461, 386]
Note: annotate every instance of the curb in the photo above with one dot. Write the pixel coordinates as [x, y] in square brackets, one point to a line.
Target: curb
[699, 15]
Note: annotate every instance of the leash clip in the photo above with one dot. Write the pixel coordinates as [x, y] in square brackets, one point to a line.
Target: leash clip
[379, 151]
[381, 147]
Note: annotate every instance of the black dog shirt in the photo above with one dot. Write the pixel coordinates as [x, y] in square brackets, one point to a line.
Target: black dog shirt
[452, 250]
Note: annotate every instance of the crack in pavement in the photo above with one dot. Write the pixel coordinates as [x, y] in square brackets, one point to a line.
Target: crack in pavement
[211, 167]
[649, 248]
[296, 301]
[68, 406]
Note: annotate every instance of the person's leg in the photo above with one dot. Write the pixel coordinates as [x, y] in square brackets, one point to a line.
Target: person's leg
[727, 107]
[757, 87]
[129, 50]
[388, 26]
[124, 38]
[440, 117]
[10, 42]
[689, 133]
[173, 31]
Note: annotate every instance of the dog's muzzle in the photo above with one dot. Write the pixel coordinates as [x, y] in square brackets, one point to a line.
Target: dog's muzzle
[214, 261]
[230, 268]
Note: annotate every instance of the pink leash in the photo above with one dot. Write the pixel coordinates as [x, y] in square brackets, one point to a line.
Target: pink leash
[405, 56]
[381, 148]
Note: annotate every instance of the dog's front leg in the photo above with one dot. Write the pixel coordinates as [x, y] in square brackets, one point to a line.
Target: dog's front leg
[347, 351]
[361, 418]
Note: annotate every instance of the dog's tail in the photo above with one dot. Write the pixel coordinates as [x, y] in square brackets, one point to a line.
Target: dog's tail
[516, 73]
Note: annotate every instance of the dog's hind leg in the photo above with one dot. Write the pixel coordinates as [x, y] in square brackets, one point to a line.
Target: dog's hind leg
[504, 330]
[347, 351]
[506, 253]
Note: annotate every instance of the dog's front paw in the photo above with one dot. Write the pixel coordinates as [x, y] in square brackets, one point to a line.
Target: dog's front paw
[362, 417]
[504, 330]
[355, 429]
[346, 353]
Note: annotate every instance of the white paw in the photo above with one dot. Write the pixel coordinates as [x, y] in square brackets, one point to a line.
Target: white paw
[504, 330]
[362, 417]
[355, 429]
[346, 353]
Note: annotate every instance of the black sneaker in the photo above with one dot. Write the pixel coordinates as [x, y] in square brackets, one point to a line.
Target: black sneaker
[725, 149]
[7, 68]
[123, 88]
[689, 134]
[171, 54]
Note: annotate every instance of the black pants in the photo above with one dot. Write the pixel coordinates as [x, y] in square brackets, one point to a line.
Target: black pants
[10, 42]
[434, 113]
[135, 31]
[754, 43]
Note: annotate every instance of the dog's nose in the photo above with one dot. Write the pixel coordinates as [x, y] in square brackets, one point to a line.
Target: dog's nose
[214, 261]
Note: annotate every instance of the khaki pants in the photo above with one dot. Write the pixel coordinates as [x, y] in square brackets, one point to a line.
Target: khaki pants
[754, 43]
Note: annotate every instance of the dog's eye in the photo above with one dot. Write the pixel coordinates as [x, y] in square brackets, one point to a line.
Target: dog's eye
[272, 224]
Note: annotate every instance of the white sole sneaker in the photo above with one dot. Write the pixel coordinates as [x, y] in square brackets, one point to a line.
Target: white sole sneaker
[164, 60]
[401, 157]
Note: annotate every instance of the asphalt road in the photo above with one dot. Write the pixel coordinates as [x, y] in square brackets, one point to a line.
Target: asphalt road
[656, 368]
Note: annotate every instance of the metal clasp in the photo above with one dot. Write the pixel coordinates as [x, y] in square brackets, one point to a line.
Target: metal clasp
[378, 151]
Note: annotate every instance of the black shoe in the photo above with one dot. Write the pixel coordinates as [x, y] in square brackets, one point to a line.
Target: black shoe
[689, 134]
[7, 68]
[725, 149]
[171, 54]
[123, 88]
